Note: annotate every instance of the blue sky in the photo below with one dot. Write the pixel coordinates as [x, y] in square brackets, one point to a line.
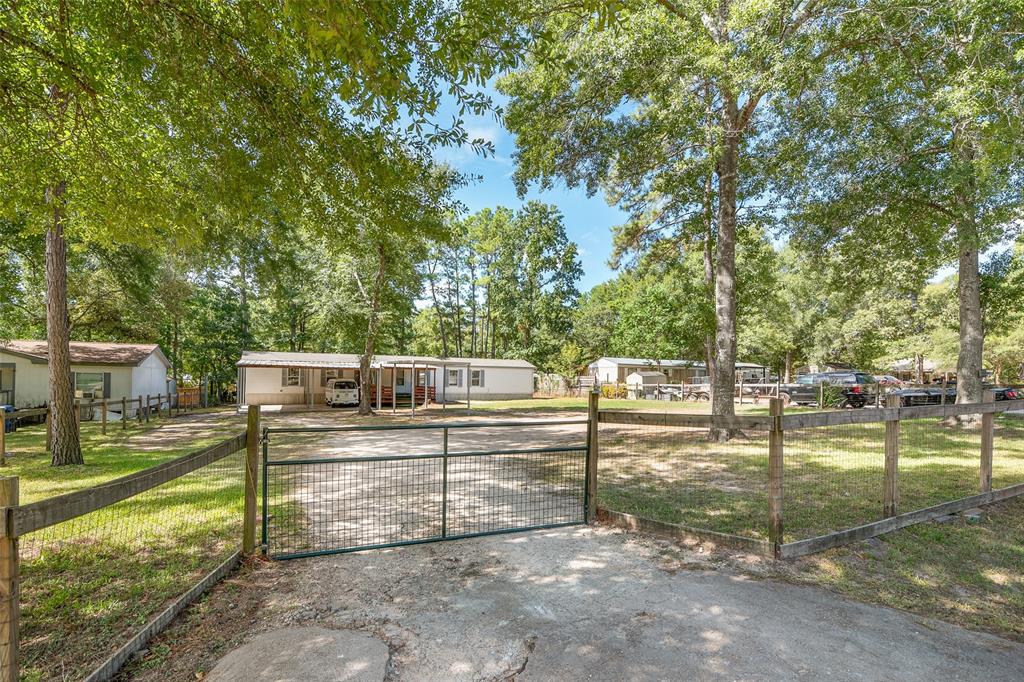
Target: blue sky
[588, 221]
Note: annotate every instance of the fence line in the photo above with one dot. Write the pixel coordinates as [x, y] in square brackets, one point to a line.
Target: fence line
[832, 475]
[177, 403]
[146, 492]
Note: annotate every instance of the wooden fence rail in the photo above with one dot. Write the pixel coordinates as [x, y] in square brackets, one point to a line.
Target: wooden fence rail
[182, 401]
[19, 520]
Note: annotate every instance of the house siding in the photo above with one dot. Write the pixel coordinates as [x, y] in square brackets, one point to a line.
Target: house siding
[32, 381]
[262, 385]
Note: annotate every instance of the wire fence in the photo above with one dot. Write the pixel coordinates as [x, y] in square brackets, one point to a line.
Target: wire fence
[839, 475]
[677, 475]
[1008, 450]
[89, 583]
[939, 462]
[833, 478]
[360, 487]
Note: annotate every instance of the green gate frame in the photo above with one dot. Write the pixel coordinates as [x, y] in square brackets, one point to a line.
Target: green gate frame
[444, 455]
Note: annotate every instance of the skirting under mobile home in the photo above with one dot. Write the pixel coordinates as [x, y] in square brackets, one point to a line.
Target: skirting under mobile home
[283, 378]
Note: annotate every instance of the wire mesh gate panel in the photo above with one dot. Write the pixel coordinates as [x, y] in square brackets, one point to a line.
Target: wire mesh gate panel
[317, 503]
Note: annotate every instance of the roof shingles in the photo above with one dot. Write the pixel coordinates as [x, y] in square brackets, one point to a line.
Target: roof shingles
[87, 353]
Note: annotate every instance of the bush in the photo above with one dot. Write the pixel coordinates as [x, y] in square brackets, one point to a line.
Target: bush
[612, 391]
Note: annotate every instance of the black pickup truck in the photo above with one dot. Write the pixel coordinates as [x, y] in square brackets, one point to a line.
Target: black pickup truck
[858, 388]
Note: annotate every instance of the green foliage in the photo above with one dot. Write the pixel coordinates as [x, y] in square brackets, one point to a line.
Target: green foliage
[504, 287]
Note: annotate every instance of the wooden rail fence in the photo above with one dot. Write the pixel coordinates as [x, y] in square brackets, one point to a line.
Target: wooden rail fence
[776, 424]
[18, 520]
[161, 405]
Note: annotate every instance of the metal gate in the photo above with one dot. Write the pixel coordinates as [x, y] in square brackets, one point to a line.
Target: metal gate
[325, 504]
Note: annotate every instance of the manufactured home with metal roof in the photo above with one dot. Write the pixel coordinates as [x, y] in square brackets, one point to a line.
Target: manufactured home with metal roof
[287, 378]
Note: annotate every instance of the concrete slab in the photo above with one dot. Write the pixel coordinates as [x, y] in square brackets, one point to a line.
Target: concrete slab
[594, 604]
[305, 654]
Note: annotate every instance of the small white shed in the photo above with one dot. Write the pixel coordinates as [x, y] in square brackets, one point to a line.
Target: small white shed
[644, 385]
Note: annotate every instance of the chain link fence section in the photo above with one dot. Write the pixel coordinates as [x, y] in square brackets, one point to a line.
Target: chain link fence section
[833, 478]
[675, 474]
[89, 583]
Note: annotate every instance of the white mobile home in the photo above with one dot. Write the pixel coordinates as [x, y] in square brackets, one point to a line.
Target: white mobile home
[615, 370]
[99, 370]
[284, 378]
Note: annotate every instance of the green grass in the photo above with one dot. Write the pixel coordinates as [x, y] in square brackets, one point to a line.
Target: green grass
[574, 404]
[971, 574]
[832, 476]
[88, 584]
[119, 453]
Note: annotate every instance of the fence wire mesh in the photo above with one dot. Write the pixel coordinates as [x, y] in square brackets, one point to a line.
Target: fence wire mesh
[833, 478]
[940, 461]
[333, 491]
[676, 475]
[1008, 450]
[88, 584]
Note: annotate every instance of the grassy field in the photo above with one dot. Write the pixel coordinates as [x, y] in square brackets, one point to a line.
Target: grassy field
[832, 477]
[573, 404]
[119, 453]
[90, 583]
[971, 574]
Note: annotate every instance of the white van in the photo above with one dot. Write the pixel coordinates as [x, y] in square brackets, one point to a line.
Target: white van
[341, 392]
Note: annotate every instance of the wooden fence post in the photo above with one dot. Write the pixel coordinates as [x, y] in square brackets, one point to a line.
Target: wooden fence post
[124, 413]
[988, 421]
[149, 401]
[891, 491]
[103, 416]
[78, 417]
[593, 404]
[9, 585]
[138, 414]
[775, 472]
[3, 438]
[252, 448]
[159, 402]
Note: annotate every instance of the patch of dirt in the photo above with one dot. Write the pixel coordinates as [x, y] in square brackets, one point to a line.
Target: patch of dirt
[249, 601]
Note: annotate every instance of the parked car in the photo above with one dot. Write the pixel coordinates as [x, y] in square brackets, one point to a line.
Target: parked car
[858, 388]
[340, 392]
[911, 397]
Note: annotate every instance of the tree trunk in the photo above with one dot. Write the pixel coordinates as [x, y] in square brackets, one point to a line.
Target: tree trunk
[789, 366]
[175, 346]
[371, 334]
[243, 301]
[968, 364]
[919, 367]
[724, 378]
[67, 448]
[437, 309]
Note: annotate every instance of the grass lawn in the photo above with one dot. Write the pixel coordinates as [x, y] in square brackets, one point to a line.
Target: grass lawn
[971, 574]
[119, 453]
[574, 404]
[90, 583]
[832, 476]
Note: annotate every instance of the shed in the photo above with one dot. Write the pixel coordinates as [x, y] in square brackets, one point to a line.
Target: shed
[644, 384]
